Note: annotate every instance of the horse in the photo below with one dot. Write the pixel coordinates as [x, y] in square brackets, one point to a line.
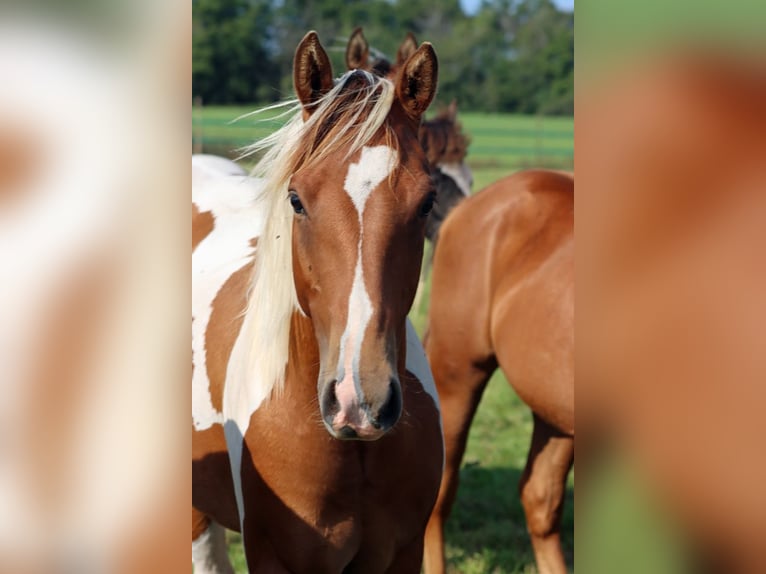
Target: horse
[502, 295]
[446, 147]
[316, 426]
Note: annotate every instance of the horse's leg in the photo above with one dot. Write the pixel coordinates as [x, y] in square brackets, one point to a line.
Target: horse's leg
[460, 391]
[542, 487]
[209, 553]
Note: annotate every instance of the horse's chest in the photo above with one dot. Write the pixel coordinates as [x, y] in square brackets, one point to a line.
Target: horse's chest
[339, 502]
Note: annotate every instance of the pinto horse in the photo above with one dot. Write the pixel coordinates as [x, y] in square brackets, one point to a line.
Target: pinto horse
[502, 295]
[316, 427]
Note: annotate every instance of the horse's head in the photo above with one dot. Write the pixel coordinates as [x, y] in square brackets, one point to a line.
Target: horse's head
[361, 195]
[446, 147]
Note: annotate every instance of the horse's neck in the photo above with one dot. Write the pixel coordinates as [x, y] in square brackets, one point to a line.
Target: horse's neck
[303, 357]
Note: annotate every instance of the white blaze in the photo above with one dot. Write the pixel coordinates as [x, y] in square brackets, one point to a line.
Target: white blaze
[375, 165]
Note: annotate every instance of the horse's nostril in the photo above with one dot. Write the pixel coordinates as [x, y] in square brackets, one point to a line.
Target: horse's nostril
[329, 399]
[391, 410]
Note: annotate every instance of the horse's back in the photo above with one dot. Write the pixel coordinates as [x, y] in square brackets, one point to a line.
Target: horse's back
[504, 278]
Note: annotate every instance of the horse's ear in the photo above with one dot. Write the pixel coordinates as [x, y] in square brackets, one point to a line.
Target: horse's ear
[312, 72]
[416, 85]
[407, 48]
[357, 51]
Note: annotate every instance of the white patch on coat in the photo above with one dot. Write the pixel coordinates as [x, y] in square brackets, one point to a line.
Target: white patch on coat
[460, 173]
[375, 164]
[209, 552]
[215, 165]
[237, 220]
[417, 364]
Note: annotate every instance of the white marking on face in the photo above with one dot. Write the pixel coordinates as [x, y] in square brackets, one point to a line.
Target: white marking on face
[217, 257]
[460, 173]
[375, 165]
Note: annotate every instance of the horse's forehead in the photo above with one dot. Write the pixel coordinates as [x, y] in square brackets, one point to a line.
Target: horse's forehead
[342, 175]
[374, 164]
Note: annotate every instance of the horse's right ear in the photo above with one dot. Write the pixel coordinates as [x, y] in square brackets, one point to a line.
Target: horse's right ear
[357, 51]
[416, 85]
[312, 72]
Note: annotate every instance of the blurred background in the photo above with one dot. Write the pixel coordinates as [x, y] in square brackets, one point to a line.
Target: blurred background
[509, 66]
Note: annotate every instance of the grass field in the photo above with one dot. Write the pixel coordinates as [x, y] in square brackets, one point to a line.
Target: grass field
[500, 143]
[486, 533]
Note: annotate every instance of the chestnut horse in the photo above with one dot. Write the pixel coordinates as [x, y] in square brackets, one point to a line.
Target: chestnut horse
[316, 427]
[502, 295]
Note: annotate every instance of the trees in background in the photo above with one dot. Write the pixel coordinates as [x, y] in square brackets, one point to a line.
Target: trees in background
[510, 56]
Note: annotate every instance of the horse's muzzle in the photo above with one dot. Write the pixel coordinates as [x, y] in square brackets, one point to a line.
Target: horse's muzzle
[346, 417]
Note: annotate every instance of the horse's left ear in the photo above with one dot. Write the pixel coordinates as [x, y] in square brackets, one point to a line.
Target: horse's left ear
[416, 85]
[408, 47]
[312, 72]
[357, 51]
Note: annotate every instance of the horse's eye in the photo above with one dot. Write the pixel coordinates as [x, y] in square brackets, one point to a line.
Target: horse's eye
[295, 201]
[428, 204]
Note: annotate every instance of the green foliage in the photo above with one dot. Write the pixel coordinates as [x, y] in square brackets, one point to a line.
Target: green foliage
[510, 56]
[231, 43]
